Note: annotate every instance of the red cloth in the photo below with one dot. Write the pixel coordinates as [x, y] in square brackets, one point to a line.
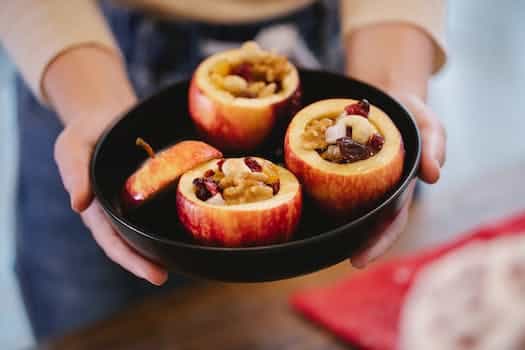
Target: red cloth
[364, 309]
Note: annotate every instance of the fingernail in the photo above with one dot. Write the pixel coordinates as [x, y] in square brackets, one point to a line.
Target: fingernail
[74, 206]
[157, 279]
[160, 281]
[359, 263]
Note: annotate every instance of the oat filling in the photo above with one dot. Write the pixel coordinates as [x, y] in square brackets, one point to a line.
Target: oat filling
[257, 74]
[346, 138]
[238, 181]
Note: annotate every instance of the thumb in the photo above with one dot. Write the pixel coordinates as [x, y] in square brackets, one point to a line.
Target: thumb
[72, 155]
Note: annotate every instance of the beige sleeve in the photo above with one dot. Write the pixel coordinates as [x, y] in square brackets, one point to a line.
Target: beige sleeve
[428, 15]
[34, 32]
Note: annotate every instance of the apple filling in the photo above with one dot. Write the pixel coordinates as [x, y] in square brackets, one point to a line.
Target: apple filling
[255, 74]
[238, 181]
[345, 138]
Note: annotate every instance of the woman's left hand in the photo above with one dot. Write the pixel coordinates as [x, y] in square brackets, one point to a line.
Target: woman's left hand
[432, 159]
[399, 59]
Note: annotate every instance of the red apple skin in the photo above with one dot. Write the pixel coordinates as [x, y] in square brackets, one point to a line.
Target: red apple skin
[219, 227]
[232, 127]
[342, 194]
[159, 173]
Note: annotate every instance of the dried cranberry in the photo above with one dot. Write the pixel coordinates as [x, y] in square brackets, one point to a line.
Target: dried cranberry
[211, 186]
[349, 131]
[360, 108]
[351, 150]
[376, 143]
[220, 163]
[244, 70]
[200, 189]
[209, 173]
[253, 165]
[276, 186]
[205, 188]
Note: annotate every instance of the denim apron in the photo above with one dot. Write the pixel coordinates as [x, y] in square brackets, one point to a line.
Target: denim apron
[65, 279]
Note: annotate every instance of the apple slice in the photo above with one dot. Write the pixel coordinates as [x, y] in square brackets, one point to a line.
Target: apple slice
[163, 169]
[232, 223]
[343, 188]
[233, 106]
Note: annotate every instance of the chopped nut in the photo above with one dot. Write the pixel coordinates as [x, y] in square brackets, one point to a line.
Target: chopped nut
[226, 182]
[235, 84]
[255, 88]
[258, 69]
[217, 80]
[222, 68]
[332, 153]
[272, 173]
[268, 90]
[260, 192]
[314, 133]
[240, 186]
[270, 75]
[262, 177]
[362, 129]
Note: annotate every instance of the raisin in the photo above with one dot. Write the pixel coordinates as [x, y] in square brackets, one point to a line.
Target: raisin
[205, 188]
[351, 150]
[349, 131]
[200, 189]
[244, 70]
[209, 173]
[376, 143]
[211, 186]
[360, 108]
[220, 163]
[276, 186]
[253, 165]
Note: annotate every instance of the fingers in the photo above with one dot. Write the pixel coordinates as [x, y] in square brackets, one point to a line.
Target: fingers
[433, 137]
[117, 250]
[431, 156]
[386, 235]
[72, 157]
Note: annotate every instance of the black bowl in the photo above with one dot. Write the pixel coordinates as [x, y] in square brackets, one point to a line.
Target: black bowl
[156, 233]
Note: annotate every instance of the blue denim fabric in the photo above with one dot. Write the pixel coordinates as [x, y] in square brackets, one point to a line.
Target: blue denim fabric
[65, 279]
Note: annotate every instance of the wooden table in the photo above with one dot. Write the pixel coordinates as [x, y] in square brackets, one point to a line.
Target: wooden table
[257, 316]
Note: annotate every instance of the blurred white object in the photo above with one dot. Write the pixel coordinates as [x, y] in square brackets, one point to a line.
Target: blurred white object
[216, 200]
[283, 39]
[472, 299]
[335, 132]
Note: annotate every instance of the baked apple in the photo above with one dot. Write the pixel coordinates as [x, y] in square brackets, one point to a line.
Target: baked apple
[238, 97]
[346, 153]
[163, 169]
[239, 202]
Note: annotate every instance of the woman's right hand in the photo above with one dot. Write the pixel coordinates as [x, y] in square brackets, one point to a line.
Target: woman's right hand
[88, 88]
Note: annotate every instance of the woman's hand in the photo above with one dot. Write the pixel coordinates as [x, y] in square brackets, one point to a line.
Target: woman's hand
[88, 88]
[398, 58]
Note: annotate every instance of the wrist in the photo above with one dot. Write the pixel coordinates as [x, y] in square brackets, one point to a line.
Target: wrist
[395, 57]
[88, 87]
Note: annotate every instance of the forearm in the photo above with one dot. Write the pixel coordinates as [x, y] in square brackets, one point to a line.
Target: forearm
[88, 85]
[393, 56]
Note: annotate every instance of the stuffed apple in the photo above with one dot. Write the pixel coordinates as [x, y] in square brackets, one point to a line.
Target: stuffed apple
[346, 153]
